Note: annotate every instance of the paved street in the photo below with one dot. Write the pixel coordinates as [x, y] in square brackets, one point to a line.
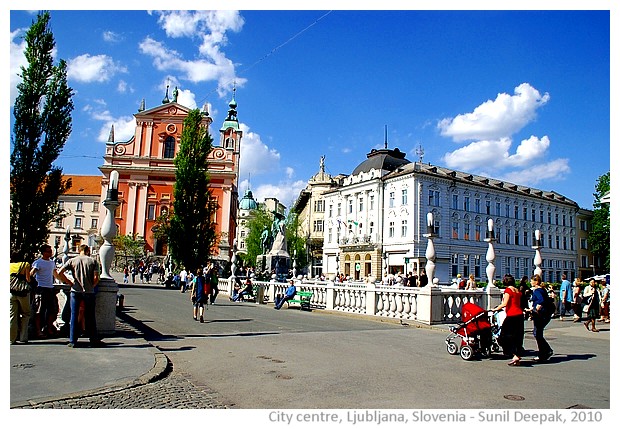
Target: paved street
[257, 357]
[249, 356]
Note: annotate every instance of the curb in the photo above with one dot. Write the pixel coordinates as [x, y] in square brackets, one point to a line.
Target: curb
[160, 368]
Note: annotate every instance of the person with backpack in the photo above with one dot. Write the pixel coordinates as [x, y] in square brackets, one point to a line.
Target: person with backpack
[542, 309]
[200, 294]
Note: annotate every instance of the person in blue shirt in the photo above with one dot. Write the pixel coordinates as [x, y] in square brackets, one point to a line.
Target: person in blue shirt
[289, 294]
[566, 297]
[541, 315]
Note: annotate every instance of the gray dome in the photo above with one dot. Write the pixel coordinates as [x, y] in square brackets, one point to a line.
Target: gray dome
[248, 202]
[382, 159]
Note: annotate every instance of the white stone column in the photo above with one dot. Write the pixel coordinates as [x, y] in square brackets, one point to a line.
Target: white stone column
[537, 257]
[492, 292]
[430, 250]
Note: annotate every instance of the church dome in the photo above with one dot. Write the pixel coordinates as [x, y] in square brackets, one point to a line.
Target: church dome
[382, 159]
[248, 202]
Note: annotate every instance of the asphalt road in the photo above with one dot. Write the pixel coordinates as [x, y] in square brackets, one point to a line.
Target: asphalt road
[256, 357]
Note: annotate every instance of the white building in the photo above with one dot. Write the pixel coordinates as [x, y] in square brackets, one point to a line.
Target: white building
[375, 222]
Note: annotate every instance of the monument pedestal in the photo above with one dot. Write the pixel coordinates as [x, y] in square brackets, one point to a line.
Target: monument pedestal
[105, 306]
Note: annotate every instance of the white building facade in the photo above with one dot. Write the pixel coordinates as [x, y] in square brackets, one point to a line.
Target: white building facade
[379, 217]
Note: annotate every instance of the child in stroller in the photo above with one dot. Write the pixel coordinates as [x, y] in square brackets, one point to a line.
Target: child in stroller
[477, 333]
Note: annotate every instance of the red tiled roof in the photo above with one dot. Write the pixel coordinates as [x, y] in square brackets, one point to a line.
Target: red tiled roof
[84, 185]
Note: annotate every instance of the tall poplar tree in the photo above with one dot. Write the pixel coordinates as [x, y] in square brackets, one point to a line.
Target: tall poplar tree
[42, 125]
[192, 231]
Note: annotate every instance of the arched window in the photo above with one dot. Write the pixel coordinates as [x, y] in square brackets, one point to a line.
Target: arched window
[169, 147]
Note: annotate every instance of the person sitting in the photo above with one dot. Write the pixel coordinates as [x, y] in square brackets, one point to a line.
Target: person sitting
[246, 290]
[288, 295]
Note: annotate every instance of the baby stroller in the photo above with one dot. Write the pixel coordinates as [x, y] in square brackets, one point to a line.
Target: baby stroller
[475, 333]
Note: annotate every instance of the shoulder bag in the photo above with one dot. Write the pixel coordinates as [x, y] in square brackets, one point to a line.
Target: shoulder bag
[19, 285]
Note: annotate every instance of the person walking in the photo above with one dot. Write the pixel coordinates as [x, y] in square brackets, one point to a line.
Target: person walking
[199, 294]
[592, 300]
[46, 302]
[183, 280]
[541, 316]
[19, 310]
[604, 302]
[511, 337]
[577, 298]
[85, 272]
[566, 297]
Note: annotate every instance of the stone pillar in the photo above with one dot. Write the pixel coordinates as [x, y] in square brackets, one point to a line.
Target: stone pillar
[430, 250]
[107, 289]
[537, 257]
[491, 290]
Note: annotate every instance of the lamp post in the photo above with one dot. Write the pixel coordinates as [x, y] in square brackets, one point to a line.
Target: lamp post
[537, 257]
[65, 249]
[430, 249]
[490, 253]
[108, 230]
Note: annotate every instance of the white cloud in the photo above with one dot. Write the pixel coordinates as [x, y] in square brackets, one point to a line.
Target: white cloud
[211, 28]
[93, 68]
[497, 118]
[17, 61]
[534, 175]
[528, 151]
[111, 37]
[256, 157]
[285, 191]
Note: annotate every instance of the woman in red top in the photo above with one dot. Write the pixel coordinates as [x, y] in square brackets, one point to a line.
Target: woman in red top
[511, 337]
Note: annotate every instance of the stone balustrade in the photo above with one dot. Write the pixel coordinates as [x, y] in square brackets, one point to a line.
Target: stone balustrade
[427, 305]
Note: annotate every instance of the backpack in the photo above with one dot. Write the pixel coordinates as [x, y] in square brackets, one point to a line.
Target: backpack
[549, 306]
[462, 284]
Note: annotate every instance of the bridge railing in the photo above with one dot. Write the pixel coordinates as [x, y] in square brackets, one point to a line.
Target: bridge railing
[428, 305]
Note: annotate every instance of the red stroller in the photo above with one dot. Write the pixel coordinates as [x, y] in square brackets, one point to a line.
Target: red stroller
[473, 335]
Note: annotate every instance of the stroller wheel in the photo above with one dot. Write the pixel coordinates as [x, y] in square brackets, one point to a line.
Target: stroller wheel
[467, 352]
[452, 348]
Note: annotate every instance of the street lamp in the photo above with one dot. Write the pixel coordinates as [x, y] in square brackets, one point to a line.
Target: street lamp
[108, 230]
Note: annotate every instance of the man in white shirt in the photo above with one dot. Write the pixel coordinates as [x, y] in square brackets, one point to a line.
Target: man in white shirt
[45, 306]
[183, 280]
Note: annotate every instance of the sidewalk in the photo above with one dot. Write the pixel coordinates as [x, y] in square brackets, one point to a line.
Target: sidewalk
[47, 370]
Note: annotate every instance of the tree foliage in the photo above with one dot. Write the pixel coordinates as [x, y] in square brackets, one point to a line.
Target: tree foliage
[192, 231]
[600, 235]
[260, 220]
[129, 247]
[42, 125]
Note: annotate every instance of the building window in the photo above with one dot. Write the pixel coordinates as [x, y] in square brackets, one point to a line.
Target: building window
[361, 204]
[508, 232]
[465, 266]
[477, 205]
[94, 223]
[557, 218]
[372, 202]
[455, 264]
[507, 210]
[150, 212]
[517, 268]
[79, 206]
[339, 212]
[477, 266]
[572, 243]
[391, 200]
[564, 243]
[533, 215]
[516, 242]
[549, 241]
[466, 231]
[403, 228]
[61, 205]
[549, 218]
[455, 230]
[331, 210]
[508, 264]
[318, 225]
[584, 261]
[557, 241]
[498, 209]
[78, 223]
[524, 213]
[391, 230]
[403, 197]
[525, 235]
[169, 147]
[516, 212]
[59, 223]
[570, 221]
[433, 198]
[478, 230]
[371, 227]
[319, 206]
[488, 207]
[583, 243]
[583, 225]
[455, 202]
[466, 204]
[498, 234]
[563, 220]
[96, 206]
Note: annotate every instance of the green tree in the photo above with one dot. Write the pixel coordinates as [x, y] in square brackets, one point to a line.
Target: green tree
[260, 220]
[295, 243]
[129, 248]
[42, 125]
[600, 235]
[192, 231]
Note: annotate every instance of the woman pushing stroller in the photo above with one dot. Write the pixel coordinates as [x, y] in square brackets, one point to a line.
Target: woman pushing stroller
[511, 338]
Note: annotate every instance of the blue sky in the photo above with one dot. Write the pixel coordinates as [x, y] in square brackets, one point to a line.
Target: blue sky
[522, 96]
